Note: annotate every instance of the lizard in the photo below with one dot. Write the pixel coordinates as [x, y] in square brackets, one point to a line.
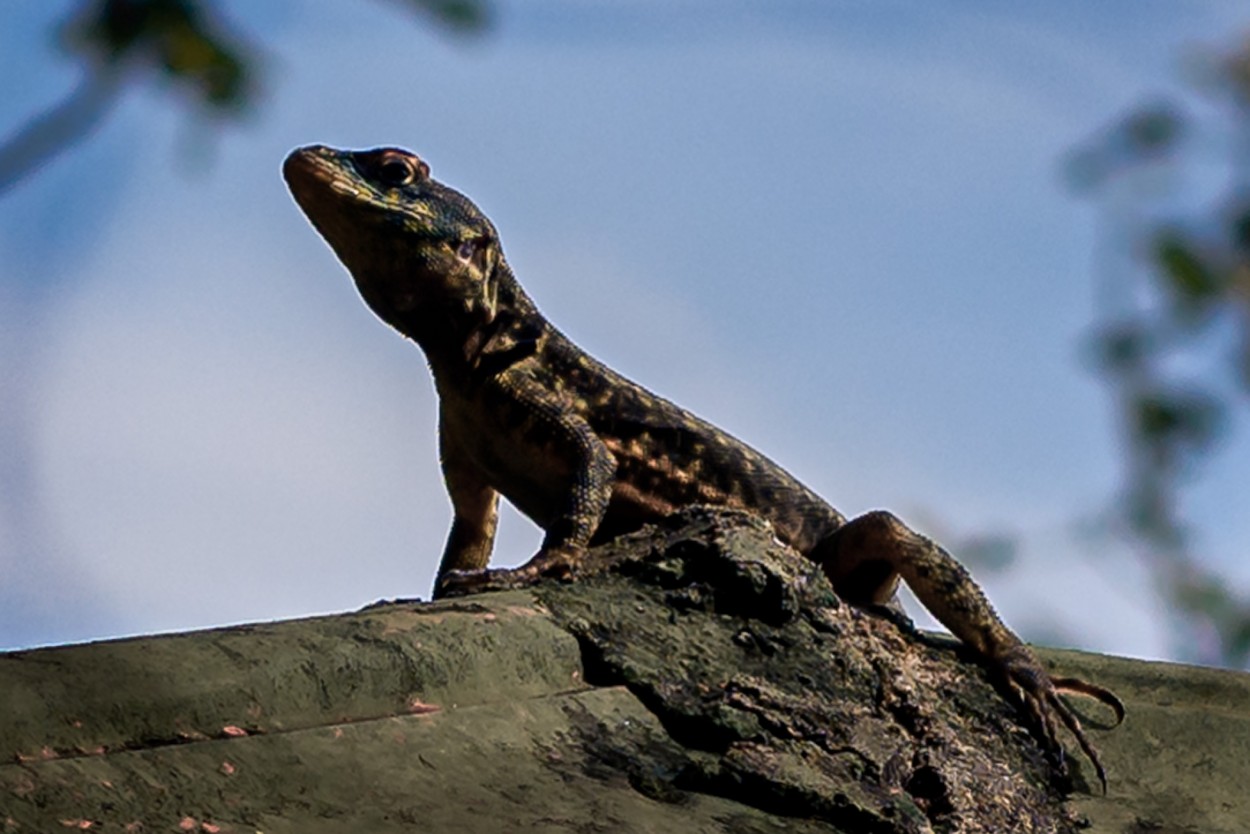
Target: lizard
[586, 453]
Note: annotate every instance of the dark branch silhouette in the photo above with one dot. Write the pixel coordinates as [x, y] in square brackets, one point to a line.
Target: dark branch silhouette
[188, 42]
[57, 129]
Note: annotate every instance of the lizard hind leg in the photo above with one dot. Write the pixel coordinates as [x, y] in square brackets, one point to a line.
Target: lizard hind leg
[865, 558]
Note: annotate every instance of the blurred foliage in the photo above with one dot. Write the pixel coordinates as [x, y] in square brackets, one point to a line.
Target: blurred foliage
[1173, 340]
[989, 551]
[467, 16]
[188, 43]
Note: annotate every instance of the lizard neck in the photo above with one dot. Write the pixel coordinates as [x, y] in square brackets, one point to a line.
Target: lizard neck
[492, 336]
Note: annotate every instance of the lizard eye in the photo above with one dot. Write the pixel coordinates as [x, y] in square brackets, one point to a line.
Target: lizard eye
[468, 248]
[395, 171]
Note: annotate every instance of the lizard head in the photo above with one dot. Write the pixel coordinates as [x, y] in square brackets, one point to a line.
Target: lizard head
[424, 258]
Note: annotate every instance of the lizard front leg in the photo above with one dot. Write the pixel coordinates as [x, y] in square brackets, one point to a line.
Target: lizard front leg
[475, 510]
[583, 486]
[865, 558]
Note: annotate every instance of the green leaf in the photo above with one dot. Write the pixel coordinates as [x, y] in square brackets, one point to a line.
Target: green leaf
[1123, 346]
[1152, 130]
[1178, 421]
[1239, 231]
[988, 551]
[1193, 282]
[468, 16]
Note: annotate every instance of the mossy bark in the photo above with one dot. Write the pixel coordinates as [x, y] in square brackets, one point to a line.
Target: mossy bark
[699, 677]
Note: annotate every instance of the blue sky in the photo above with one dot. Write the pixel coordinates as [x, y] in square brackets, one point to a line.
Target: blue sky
[836, 229]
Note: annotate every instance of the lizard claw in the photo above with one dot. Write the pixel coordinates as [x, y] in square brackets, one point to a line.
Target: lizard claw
[1040, 694]
[459, 583]
[554, 563]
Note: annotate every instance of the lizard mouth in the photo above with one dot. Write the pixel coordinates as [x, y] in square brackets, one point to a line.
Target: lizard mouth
[309, 171]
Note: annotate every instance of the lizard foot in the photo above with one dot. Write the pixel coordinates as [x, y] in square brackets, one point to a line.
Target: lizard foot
[1040, 695]
[554, 563]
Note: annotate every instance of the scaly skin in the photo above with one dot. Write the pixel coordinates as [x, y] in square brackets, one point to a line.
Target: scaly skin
[587, 454]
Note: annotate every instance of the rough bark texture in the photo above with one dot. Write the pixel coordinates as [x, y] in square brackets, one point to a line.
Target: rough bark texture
[701, 678]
